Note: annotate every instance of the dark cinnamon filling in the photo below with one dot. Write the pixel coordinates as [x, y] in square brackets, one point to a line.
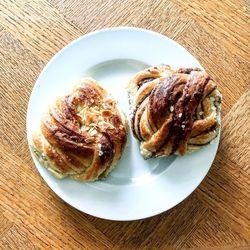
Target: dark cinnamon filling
[134, 114]
[138, 127]
[133, 123]
[188, 70]
[173, 92]
[107, 149]
[163, 97]
[145, 80]
[185, 106]
[177, 127]
[190, 105]
[212, 128]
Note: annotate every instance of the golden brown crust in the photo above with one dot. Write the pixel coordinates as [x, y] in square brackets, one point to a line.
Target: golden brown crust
[83, 134]
[174, 109]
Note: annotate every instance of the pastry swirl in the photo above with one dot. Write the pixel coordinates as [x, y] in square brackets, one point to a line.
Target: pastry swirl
[173, 111]
[82, 135]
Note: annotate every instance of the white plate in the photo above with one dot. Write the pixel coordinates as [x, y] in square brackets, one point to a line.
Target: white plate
[136, 188]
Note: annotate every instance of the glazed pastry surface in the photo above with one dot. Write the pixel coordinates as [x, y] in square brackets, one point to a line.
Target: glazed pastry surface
[82, 135]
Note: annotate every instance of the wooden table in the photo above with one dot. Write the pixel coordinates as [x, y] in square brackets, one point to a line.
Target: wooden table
[216, 215]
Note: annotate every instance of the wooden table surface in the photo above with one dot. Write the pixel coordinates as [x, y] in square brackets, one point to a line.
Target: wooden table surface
[216, 215]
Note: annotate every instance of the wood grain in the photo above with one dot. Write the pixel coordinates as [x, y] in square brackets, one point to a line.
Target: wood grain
[216, 215]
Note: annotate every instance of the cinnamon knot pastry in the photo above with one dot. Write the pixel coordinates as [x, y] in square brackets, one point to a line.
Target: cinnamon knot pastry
[82, 135]
[173, 111]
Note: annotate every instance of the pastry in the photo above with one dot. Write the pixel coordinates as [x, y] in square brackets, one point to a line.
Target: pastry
[173, 111]
[82, 135]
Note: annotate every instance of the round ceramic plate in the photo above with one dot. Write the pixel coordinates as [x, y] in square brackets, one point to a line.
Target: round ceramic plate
[136, 188]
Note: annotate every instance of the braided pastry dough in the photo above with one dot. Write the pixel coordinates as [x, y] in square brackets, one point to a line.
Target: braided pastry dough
[82, 135]
[173, 111]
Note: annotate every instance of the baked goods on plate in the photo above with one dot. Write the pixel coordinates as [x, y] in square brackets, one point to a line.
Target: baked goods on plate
[82, 135]
[173, 110]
